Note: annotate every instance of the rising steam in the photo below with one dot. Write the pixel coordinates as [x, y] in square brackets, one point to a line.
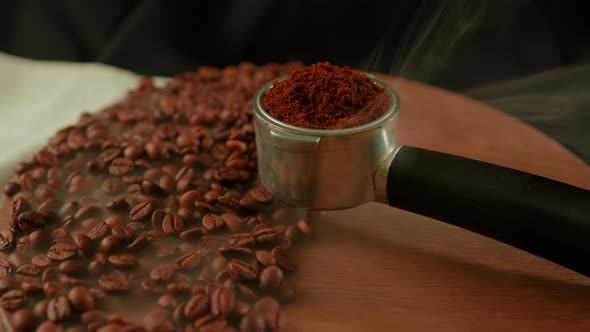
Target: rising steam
[429, 40]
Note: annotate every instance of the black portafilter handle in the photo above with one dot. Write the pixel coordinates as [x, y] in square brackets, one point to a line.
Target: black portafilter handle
[547, 218]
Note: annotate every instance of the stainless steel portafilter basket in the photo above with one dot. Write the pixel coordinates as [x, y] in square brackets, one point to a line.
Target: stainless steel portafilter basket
[344, 168]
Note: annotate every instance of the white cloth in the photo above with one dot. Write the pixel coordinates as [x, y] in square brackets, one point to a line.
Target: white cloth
[37, 98]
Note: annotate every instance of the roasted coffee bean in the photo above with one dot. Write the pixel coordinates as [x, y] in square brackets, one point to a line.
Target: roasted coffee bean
[187, 262]
[235, 251]
[118, 203]
[266, 304]
[266, 236]
[5, 268]
[172, 224]
[253, 321]
[212, 222]
[271, 278]
[58, 309]
[50, 273]
[112, 186]
[114, 220]
[62, 251]
[121, 166]
[191, 234]
[284, 260]
[13, 300]
[242, 240]
[239, 270]
[28, 221]
[152, 188]
[22, 320]
[41, 260]
[113, 283]
[162, 273]
[7, 284]
[52, 289]
[123, 232]
[222, 302]
[40, 309]
[167, 301]
[122, 260]
[49, 326]
[60, 235]
[39, 240]
[109, 244]
[99, 231]
[196, 307]
[261, 195]
[83, 244]
[88, 211]
[138, 244]
[265, 258]
[276, 320]
[31, 287]
[81, 298]
[7, 239]
[11, 188]
[72, 267]
[31, 270]
[142, 211]
[232, 222]
[157, 323]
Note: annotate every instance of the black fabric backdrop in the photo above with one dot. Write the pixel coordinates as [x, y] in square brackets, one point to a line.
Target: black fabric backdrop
[509, 39]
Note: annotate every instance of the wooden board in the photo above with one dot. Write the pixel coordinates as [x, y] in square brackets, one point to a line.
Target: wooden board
[375, 268]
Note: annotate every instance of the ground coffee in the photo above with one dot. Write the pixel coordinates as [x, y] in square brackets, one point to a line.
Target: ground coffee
[323, 96]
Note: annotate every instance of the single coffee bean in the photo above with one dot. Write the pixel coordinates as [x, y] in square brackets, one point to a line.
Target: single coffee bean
[39, 240]
[157, 218]
[232, 222]
[99, 231]
[222, 302]
[122, 260]
[83, 244]
[187, 262]
[271, 278]
[196, 307]
[28, 221]
[31, 287]
[138, 244]
[172, 224]
[22, 320]
[242, 240]
[235, 251]
[7, 284]
[49, 326]
[284, 260]
[253, 321]
[81, 298]
[142, 211]
[239, 270]
[162, 273]
[114, 220]
[123, 232]
[113, 283]
[191, 234]
[31, 270]
[121, 166]
[58, 309]
[5, 268]
[72, 267]
[50, 273]
[109, 244]
[13, 300]
[112, 186]
[52, 289]
[266, 304]
[212, 222]
[62, 251]
[88, 211]
[276, 320]
[265, 258]
[7, 239]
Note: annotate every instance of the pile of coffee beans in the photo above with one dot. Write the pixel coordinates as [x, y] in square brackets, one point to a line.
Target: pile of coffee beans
[148, 216]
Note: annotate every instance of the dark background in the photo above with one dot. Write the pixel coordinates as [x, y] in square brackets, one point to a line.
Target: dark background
[507, 39]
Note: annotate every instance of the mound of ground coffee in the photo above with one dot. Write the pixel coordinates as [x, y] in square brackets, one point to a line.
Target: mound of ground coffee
[323, 96]
[147, 216]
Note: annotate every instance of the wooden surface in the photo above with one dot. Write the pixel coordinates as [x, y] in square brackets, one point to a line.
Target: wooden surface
[375, 268]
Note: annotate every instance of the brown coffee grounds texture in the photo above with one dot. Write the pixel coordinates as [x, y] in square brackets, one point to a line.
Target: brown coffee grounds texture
[325, 96]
